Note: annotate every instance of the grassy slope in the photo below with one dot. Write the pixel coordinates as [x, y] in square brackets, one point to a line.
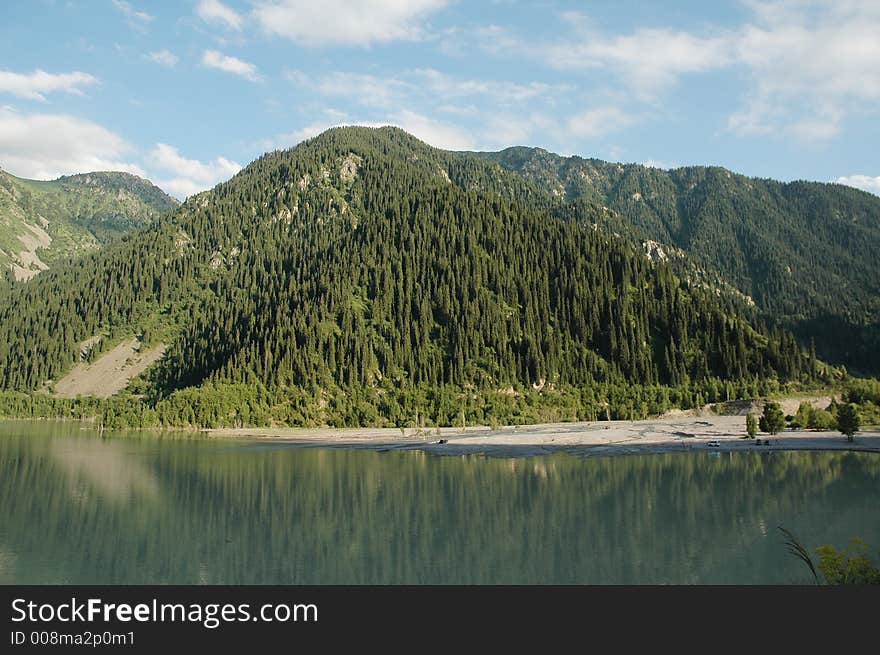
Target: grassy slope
[82, 211]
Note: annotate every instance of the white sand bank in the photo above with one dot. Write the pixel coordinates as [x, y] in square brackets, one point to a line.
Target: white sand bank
[686, 434]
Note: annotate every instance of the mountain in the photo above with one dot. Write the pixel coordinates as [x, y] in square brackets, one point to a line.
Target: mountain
[44, 223]
[807, 253]
[364, 277]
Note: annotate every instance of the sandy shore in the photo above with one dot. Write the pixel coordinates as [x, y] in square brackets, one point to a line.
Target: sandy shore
[669, 435]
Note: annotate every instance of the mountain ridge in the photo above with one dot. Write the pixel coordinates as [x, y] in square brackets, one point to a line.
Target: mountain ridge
[44, 222]
[364, 277]
[808, 253]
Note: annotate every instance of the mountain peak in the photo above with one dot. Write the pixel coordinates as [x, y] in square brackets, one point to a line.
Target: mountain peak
[45, 222]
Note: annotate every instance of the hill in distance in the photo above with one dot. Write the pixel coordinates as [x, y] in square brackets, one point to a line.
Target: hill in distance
[44, 223]
[807, 253]
[365, 278]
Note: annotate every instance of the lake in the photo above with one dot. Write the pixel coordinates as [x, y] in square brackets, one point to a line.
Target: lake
[147, 509]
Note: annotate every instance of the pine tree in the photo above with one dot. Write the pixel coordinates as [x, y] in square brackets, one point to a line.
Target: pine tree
[848, 420]
[772, 420]
[751, 425]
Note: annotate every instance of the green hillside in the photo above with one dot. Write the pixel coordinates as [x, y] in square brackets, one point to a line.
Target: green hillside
[366, 278]
[44, 223]
[807, 253]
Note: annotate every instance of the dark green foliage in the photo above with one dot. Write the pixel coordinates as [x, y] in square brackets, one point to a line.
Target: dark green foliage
[77, 212]
[848, 420]
[861, 391]
[215, 405]
[802, 419]
[365, 278]
[808, 253]
[821, 419]
[110, 203]
[772, 420]
[751, 425]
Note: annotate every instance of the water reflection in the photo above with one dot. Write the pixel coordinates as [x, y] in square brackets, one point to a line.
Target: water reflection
[103, 467]
[81, 509]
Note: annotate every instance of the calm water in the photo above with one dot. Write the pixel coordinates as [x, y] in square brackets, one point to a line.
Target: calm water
[75, 508]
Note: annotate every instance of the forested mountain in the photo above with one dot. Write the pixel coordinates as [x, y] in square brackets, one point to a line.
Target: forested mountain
[43, 223]
[807, 253]
[366, 277]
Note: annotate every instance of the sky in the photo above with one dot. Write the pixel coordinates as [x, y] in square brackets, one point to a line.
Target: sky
[186, 92]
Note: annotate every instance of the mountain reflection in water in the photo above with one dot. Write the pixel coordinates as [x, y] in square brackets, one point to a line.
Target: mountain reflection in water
[145, 509]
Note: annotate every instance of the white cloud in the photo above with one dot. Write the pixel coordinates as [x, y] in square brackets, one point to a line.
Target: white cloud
[665, 165]
[345, 22]
[812, 64]
[367, 90]
[436, 133]
[371, 90]
[447, 86]
[183, 177]
[812, 130]
[214, 11]
[133, 15]
[648, 60]
[476, 114]
[34, 85]
[863, 182]
[598, 121]
[808, 64]
[492, 38]
[215, 59]
[164, 58]
[506, 130]
[44, 146]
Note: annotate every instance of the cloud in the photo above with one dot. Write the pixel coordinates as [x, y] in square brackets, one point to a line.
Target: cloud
[493, 39]
[436, 133]
[501, 113]
[447, 86]
[214, 11]
[812, 65]
[598, 121]
[808, 65]
[44, 146]
[665, 165]
[187, 176]
[812, 130]
[164, 58]
[504, 130]
[133, 15]
[345, 22]
[33, 86]
[427, 83]
[648, 60]
[863, 182]
[215, 59]
[367, 90]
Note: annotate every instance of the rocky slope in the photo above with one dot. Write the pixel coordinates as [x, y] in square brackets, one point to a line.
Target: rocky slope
[42, 223]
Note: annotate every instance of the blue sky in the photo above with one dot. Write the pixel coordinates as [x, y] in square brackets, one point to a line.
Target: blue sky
[187, 92]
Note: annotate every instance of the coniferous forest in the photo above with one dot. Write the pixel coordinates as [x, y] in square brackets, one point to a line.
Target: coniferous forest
[806, 253]
[364, 278]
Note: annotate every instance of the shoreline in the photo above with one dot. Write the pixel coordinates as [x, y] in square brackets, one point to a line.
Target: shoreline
[598, 438]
